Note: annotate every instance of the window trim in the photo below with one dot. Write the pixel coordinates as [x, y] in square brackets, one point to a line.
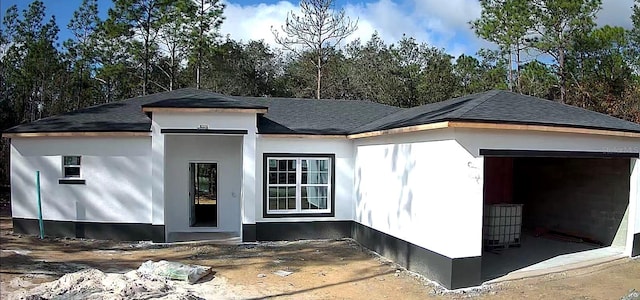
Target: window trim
[298, 213]
[79, 166]
[71, 180]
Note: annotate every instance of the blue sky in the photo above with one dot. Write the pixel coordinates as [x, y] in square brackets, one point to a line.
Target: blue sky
[441, 23]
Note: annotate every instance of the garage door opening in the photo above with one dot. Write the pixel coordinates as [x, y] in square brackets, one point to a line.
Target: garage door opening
[545, 213]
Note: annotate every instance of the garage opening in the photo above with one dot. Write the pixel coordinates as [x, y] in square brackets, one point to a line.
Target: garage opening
[544, 213]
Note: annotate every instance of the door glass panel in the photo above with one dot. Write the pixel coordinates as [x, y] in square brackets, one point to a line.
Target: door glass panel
[204, 186]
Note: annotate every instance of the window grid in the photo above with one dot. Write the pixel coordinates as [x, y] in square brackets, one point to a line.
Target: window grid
[301, 201]
[71, 166]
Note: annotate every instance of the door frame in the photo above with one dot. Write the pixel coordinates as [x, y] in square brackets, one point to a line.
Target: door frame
[192, 200]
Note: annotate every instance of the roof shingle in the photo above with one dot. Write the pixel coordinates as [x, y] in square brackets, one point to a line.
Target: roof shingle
[332, 117]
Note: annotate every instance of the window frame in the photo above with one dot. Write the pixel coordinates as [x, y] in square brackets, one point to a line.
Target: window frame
[64, 179]
[298, 212]
[65, 166]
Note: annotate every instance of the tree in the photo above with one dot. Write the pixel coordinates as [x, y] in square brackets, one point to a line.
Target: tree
[116, 69]
[246, 69]
[32, 64]
[316, 30]
[538, 80]
[140, 22]
[506, 23]
[81, 50]
[633, 52]
[373, 72]
[558, 24]
[204, 29]
[599, 69]
[174, 38]
[474, 76]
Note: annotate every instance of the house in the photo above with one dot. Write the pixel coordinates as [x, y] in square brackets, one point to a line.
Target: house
[411, 184]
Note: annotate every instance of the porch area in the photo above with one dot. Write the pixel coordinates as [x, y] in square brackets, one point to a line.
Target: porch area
[203, 184]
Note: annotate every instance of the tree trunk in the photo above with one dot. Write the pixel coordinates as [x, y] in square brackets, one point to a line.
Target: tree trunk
[510, 70]
[319, 75]
[200, 39]
[563, 77]
[518, 81]
[172, 70]
[145, 71]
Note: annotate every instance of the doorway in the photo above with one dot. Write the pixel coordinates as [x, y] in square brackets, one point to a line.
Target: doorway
[546, 212]
[203, 194]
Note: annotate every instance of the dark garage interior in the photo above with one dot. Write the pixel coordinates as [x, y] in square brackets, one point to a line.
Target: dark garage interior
[547, 207]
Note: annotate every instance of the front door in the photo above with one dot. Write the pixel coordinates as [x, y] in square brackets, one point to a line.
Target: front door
[203, 194]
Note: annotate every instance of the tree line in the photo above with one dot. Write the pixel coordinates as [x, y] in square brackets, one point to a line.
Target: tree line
[545, 48]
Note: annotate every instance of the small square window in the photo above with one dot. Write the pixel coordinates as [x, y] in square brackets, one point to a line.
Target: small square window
[71, 166]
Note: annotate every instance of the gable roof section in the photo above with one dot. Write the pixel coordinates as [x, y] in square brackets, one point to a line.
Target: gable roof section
[504, 108]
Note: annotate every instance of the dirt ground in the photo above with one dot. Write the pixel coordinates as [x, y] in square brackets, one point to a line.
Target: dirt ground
[336, 269]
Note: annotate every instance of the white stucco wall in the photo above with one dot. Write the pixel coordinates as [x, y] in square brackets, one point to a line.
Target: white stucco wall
[473, 140]
[343, 150]
[634, 205]
[226, 151]
[423, 188]
[116, 171]
[192, 120]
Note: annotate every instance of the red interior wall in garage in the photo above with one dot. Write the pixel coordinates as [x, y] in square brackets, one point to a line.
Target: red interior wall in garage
[498, 180]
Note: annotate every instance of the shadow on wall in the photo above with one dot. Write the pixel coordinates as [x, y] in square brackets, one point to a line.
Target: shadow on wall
[398, 164]
[110, 193]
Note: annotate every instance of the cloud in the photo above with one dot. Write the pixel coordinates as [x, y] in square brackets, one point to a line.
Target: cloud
[616, 13]
[253, 22]
[389, 19]
[441, 23]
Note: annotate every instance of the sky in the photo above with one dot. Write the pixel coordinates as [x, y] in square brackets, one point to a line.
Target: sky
[440, 23]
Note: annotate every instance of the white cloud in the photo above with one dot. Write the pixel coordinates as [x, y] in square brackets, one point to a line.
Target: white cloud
[616, 13]
[449, 15]
[253, 22]
[388, 18]
[441, 23]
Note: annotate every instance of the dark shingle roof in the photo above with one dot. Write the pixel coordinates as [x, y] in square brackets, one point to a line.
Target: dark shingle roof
[501, 107]
[292, 116]
[124, 115]
[194, 98]
[303, 116]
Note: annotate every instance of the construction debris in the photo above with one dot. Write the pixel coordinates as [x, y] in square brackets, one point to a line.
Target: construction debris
[94, 284]
[633, 295]
[174, 270]
[282, 273]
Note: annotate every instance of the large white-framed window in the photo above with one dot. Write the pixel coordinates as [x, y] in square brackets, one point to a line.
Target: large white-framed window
[299, 185]
[71, 166]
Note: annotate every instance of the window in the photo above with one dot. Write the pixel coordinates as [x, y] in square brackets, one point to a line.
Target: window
[71, 166]
[298, 185]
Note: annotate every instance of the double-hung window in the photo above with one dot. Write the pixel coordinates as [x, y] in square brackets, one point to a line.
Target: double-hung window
[71, 173]
[298, 185]
[71, 166]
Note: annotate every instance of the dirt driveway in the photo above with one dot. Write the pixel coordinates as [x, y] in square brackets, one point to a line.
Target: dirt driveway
[338, 269]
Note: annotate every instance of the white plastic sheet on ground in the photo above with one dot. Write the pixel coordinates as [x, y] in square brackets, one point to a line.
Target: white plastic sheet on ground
[174, 270]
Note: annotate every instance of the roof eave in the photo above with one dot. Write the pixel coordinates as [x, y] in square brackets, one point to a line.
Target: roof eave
[498, 126]
[76, 134]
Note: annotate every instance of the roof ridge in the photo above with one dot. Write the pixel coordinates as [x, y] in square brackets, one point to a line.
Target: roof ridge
[475, 103]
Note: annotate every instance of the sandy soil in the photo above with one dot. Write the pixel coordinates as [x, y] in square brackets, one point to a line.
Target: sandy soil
[337, 269]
